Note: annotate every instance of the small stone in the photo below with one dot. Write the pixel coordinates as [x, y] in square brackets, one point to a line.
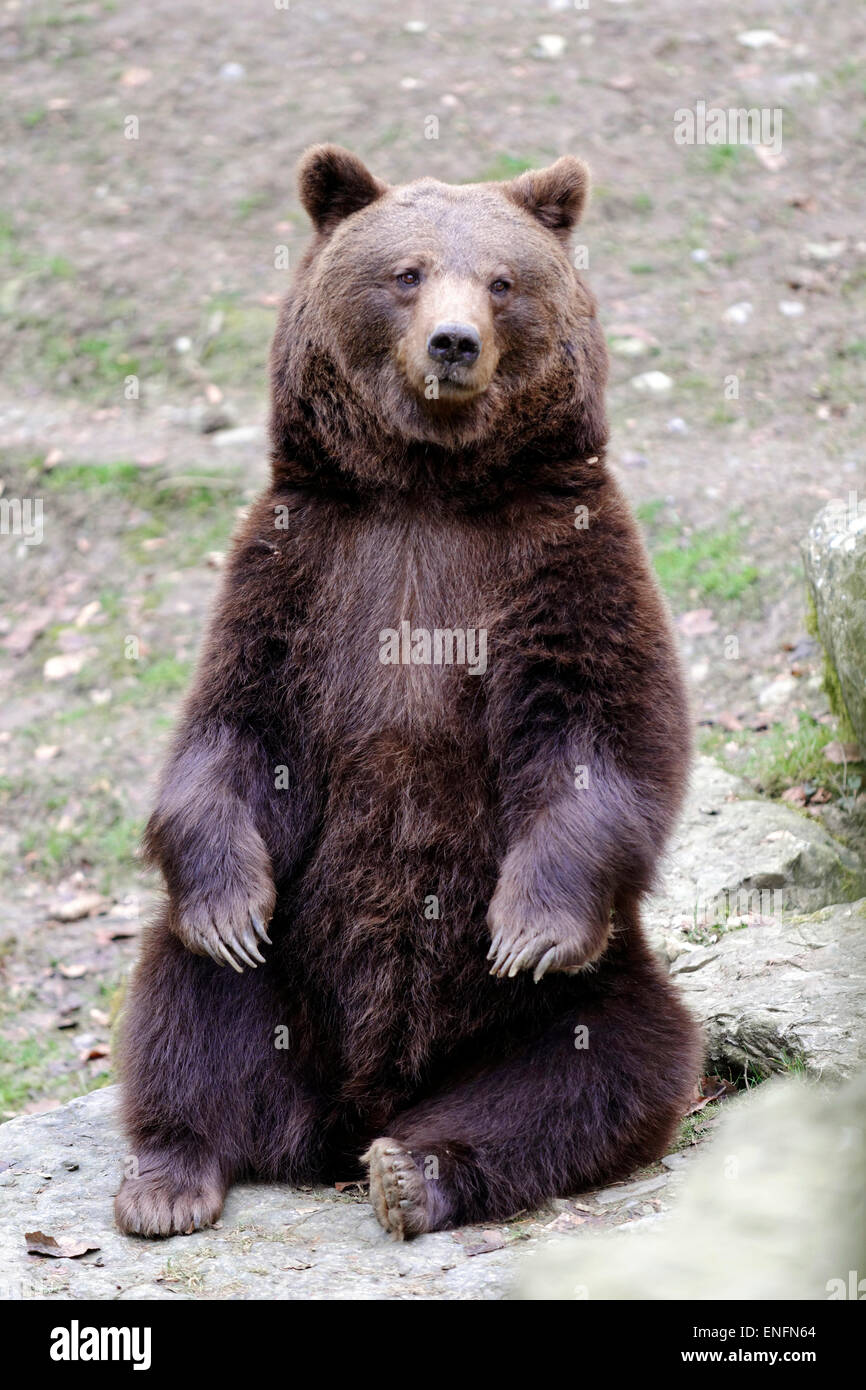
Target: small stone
[759, 38]
[549, 47]
[233, 72]
[677, 425]
[778, 692]
[415, 26]
[823, 250]
[74, 909]
[58, 668]
[700, 255]
[791, 308]
[739, 313]
[183, 344]
[209, 419]
[654, 382]
[628, 347]
[244, 434]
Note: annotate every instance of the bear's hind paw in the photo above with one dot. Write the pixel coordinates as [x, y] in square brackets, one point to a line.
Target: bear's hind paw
[398, 1191]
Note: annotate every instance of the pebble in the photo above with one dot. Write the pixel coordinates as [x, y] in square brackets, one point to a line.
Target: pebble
[677, 425]
[549, 46]
[628, 347]
[739, 313]
[654, 382]
[791, 308]
[759, 38]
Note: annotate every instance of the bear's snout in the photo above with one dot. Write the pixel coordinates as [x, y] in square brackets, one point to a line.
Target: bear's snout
[454, 342]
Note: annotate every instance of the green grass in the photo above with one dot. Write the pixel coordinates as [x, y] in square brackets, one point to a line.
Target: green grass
[698, 564]
[507, 166]
[34, 1070]
[786, 757]
[722, 159]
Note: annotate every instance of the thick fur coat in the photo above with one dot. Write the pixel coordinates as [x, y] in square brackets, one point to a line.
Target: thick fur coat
[402, 914]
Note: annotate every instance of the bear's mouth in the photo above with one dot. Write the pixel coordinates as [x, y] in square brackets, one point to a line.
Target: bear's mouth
[456, 383]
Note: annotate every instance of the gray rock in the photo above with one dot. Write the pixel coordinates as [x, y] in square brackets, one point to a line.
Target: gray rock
[781, 991]
[834, 553]
[274, 1241]
[736, 855]
[773, 1208]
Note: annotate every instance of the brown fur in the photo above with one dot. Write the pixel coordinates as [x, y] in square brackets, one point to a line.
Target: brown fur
[325, 797]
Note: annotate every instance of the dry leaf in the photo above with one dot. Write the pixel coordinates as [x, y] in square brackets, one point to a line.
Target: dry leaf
[795, 796]
[837, 752]
[697, 622]
[38, 1243]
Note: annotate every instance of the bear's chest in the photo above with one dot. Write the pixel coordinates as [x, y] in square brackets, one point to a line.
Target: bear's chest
[399, 635]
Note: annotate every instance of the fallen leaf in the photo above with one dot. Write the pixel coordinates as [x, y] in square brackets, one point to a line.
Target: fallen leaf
[729, 721]
[38, 1243]
[708, 1089]
[697, 622]
[136, 77]
[490, 1241]
[795, 796]
[837, 752]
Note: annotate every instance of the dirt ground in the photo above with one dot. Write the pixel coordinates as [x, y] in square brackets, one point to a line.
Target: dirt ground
[139, 293]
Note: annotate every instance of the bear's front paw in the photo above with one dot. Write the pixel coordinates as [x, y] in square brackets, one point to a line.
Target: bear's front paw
[540, 940]
[228, 927]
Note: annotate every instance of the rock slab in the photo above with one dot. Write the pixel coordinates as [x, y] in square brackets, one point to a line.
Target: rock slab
[834, 554]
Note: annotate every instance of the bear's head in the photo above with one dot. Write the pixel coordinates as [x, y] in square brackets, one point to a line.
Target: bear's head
[431, 320]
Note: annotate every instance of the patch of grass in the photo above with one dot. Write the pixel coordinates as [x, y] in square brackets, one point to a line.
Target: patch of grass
[237, 354]
[244, 207]
[98, 834]
[693, 1127]
[507, 166]
[787, 756]
[722, 159]
[692, 565]
[32, 1070]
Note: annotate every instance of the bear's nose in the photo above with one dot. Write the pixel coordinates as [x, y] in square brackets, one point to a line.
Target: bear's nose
[454, 342]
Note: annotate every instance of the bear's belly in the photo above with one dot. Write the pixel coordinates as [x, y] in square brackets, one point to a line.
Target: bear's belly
[390, 916]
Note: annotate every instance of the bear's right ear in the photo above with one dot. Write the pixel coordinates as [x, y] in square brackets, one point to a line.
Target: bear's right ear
[334, 183]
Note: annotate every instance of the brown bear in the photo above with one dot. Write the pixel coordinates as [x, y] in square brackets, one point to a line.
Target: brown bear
[437, 739]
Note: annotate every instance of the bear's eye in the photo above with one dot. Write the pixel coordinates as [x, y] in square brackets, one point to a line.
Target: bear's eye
[410, 277]
[500, 287]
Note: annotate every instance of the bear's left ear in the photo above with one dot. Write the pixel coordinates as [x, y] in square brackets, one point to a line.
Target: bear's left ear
[334, 183]
[555, 196]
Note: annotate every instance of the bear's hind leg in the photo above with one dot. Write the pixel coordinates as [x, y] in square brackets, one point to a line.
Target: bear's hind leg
[207, 1094]
[554, 1118]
